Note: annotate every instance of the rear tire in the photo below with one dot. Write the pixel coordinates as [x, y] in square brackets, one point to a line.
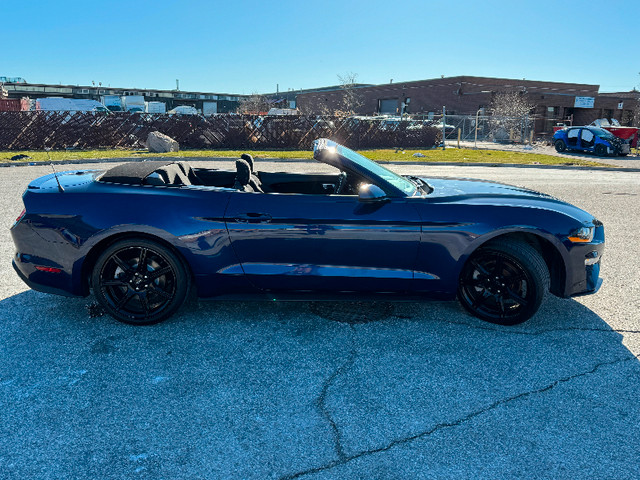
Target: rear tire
[504, 282]
[140, 282]
[560, 146]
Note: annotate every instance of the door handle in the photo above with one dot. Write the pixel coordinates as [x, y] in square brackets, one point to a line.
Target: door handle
[252, 217]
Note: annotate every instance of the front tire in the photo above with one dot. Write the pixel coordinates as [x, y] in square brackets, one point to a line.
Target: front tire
[504, 282]
[140, 282]
[601, 150]
[560, 146]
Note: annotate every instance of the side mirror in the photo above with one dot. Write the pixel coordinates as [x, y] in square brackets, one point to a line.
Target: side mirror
[371, 193]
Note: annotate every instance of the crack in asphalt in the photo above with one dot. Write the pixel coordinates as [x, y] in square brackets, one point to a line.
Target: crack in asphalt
[320, 401]
[344, 459]
[512, 331]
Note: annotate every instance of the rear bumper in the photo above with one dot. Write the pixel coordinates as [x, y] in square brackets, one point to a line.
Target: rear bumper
[34, 252]
[37, 280]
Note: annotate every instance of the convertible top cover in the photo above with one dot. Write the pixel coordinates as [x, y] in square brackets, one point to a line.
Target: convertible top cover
[133, 173]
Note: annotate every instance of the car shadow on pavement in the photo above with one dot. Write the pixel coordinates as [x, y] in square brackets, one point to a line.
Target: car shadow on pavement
[290, 389]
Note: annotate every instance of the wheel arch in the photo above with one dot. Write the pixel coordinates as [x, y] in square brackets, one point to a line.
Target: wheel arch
[95, 250]
[550, 251]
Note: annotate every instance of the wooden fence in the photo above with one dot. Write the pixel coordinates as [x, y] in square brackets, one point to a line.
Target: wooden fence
[87, 130]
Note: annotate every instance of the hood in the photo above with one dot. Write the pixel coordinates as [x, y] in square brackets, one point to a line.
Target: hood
[481, 192]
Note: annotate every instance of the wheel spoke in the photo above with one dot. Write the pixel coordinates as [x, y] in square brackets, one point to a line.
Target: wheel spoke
[122, 264]
[160, 292]
[158, 273]
[501, 302]
[481, 299]
[498, 267]
[142, 261]
[514, 296]
[114, 283]
[124, 300]
[479, 267]
[144, 302]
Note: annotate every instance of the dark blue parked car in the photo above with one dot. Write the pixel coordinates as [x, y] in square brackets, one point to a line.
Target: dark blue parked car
[143, 234]
[590, 139]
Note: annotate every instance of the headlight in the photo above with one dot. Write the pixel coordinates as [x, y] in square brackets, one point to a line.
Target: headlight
[583, 234]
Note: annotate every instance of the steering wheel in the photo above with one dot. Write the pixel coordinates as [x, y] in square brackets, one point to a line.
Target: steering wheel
[341, 183]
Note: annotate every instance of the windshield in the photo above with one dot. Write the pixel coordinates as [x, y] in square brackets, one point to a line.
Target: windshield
[602, 133]
[394, 179]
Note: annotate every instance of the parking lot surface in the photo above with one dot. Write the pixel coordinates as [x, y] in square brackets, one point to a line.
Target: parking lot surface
[244, 390]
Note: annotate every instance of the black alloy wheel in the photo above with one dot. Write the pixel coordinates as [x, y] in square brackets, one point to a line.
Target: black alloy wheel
[504, 282]
[560, 146]
[140, 282]
[601, 150]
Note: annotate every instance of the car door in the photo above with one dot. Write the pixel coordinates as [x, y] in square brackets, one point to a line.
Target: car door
[587, 139]
[323, 242]
[572, 137]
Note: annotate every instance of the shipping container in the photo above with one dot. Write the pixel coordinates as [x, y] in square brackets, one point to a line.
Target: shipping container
[209, 108]
[155, 107]
[133, 103]
[59, 104]
[112, 102]
[10, 105]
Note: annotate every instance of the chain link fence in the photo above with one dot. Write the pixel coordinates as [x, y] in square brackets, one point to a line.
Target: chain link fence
[87, 130]
[483, 128]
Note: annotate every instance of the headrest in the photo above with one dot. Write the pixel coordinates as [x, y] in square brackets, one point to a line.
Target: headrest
[243, 172]
[249, 159]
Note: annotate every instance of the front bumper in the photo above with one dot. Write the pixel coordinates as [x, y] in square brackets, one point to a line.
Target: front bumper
[583, 269]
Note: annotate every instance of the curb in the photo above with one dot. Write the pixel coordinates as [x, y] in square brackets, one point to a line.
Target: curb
[303, 160]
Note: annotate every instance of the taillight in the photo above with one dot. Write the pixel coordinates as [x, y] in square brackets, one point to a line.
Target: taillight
[21, 216]
[48, 269]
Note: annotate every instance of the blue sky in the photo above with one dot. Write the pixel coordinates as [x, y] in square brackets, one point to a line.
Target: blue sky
[250, 46]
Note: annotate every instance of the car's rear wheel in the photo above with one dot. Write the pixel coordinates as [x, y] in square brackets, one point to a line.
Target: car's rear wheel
[504, 282]
[560, 146]
[140, 282]
[601, 150]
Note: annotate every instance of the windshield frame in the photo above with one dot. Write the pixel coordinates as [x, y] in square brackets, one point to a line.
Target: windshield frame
[332, 153]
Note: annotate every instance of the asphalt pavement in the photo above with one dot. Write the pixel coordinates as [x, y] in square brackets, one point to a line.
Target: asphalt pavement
[270, 390]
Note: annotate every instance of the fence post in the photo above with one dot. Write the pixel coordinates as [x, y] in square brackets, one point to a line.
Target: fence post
[444, 122]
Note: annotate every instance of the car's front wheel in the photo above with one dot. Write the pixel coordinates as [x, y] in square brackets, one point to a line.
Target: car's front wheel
[601, 150]
[560, 146]
[140, 282]
[504, 282]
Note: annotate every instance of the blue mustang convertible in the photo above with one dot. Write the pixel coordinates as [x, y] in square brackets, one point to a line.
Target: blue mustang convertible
[142, 235]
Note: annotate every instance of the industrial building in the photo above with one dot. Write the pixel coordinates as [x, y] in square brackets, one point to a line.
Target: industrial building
[555, 102]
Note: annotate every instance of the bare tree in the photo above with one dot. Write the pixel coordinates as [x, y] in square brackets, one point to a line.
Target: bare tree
[351, 99]
[255, 103]
[510, 114]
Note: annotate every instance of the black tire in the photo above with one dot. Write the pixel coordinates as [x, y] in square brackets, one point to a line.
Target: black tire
[601, 150]
[504, 282]
[560, 146]
[140, 282]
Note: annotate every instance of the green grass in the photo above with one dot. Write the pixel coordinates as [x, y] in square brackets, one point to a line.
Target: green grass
[380, 155]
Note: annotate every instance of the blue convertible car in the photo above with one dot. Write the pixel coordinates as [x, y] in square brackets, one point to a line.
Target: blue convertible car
[142, 235]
